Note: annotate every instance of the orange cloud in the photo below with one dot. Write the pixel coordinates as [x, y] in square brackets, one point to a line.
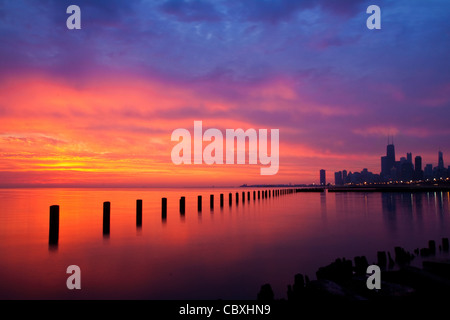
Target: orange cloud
[117, 131]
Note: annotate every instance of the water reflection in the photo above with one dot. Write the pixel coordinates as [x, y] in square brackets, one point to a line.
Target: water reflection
[273, 238]
[323, 206]
[406, 210]
[418, 201]
[389, 205]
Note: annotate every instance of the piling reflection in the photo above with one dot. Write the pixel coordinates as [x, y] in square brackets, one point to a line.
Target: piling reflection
[314, 226]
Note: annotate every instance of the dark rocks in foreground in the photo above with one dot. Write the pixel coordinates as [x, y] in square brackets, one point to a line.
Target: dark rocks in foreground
[266, 293]
[342, 280]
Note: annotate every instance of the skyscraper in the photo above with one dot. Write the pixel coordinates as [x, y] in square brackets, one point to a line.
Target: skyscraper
[390, 156]
[418, 173]
[428, 171]
[409, 157]
[338, 178]
[323, 179]
[440, 161]
[388, 161]
[418, 163]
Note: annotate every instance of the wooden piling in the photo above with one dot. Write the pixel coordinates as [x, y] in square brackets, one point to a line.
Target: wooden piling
[182, 205]
[445, 244]
[199, 203]
[211, 201]
[230, 198]
[221, 200]
[237, 197]
[138, 212]
[53, 235]
[164, 208]
[106, 217]
[381, 259]
[432, 247]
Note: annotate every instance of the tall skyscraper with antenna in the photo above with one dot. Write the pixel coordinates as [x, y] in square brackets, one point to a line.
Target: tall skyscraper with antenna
[388, 161]
[440, 161]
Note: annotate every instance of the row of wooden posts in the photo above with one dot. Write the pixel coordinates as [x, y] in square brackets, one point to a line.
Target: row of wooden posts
[54, 209]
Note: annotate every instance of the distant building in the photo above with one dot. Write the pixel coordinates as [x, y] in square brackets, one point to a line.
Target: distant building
[418, 163]
[390, 155]
[338, 178]
[409, 157]
[418, 173]
[394, 171]
[428, 171]
[323, 178]
[405, 169]
[440, 172]
[388, 162]
[440, 161]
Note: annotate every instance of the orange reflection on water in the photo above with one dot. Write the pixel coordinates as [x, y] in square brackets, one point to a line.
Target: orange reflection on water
[221, 253]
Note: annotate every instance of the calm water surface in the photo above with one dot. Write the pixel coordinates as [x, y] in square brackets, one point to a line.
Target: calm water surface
[224, 253]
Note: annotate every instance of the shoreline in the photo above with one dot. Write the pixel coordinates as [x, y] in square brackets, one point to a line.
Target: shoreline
[390, 188]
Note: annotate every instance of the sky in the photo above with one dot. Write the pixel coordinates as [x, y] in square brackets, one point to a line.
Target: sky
[97, 106]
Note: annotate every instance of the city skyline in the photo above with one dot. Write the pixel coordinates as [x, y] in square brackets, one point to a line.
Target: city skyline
[96, 106]
[391, 170]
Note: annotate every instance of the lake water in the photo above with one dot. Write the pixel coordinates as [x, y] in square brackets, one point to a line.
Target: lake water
[223, 253]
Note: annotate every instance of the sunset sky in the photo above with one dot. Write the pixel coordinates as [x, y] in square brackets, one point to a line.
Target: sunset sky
[97, 106]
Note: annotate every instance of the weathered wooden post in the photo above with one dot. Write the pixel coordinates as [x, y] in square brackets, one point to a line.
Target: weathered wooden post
[211, 201]
[221, 200]
[432, 247]
[237, 197]
[139, 213]
[106, 217]
[445, 244]
[182, 205]
[381, 259]
[230, 198]
[53, 235]
[164, 208]
[199, 203]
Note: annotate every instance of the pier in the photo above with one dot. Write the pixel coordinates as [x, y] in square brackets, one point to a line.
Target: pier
[266, 194]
